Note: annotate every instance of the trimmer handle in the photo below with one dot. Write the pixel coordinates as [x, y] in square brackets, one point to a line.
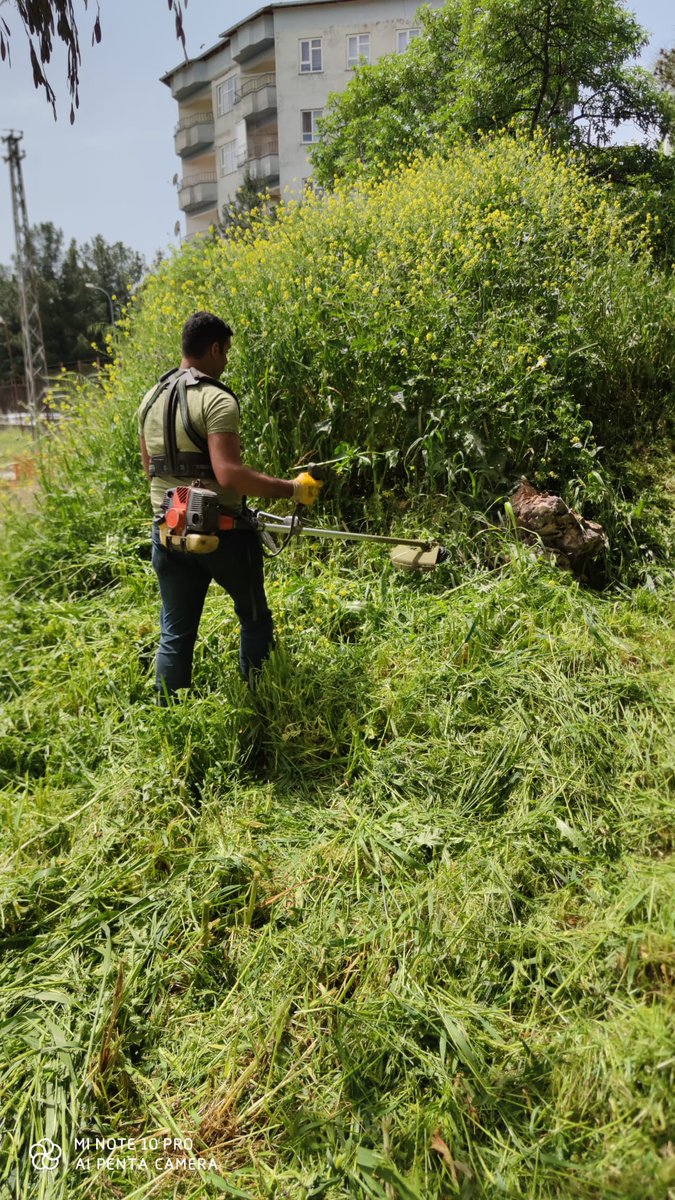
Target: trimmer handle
[318, 473]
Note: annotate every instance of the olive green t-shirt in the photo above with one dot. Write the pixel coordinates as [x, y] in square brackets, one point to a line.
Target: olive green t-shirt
[212, 410]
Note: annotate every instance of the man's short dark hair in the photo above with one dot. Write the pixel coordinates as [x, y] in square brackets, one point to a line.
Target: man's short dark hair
[200, 331]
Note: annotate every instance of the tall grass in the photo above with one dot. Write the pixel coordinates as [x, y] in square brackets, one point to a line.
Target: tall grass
[480, 315]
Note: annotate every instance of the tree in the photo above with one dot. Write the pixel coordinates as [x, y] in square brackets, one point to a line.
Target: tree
[665, 74]
[665, 68]
[45, 21]
[561, 65]
[249, 199]
[71, 313]
[11, 346]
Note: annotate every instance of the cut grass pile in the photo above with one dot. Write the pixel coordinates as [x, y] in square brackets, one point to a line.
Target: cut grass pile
[398, 924]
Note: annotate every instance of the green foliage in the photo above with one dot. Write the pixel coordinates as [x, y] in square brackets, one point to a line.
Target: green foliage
[665, 67]
[560, 67]
[398, 922]
[71, 313]
[249, 201]
[644, 182]
[665, 73]
[487, 313]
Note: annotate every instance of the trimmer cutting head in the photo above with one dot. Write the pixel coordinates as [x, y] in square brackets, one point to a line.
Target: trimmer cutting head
[413, 558]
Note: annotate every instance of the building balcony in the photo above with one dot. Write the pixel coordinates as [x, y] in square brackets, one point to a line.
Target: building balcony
[261, 162]
[190, 79]
[197, 193]
[194, 133]
[252, 38]
[256, 97]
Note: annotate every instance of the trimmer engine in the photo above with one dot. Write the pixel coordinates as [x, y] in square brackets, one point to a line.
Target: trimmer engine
[191, 510]
[192, 519]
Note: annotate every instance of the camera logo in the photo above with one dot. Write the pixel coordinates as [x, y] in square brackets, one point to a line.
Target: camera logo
[45, 1155]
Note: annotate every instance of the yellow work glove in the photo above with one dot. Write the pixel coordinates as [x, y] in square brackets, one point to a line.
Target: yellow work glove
[306, 489]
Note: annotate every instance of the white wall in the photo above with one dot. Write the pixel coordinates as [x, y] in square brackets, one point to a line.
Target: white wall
[332, 22]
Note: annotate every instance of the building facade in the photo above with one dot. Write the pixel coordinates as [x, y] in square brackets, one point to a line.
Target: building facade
[249, 105]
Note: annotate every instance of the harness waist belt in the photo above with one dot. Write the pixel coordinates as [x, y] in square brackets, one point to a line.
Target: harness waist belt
[188, 465]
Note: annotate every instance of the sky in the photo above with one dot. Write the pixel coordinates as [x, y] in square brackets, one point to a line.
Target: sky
[111, 172]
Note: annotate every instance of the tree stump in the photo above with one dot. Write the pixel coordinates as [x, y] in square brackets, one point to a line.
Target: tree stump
[544, 519]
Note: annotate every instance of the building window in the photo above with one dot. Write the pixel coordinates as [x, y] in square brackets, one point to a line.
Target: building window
[225, 96]
[311, 55]
[310, 132]
[228, 158]
[404, 38]
[358, 47]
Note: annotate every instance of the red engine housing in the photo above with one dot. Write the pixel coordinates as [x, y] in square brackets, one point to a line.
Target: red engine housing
[176, 513]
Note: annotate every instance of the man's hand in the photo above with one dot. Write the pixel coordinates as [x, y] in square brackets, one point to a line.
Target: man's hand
[306, 489]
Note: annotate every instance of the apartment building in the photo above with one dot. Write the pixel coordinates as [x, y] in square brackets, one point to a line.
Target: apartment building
[250, 104]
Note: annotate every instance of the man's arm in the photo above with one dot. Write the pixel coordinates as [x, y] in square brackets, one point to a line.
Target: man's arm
[230, 471]
[145, 457]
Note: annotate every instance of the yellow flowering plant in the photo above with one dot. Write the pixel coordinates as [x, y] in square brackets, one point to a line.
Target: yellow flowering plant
[482, 314]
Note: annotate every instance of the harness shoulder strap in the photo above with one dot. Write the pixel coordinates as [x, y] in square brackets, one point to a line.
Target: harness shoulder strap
[188, 426]
[155, 396]
[170, 442]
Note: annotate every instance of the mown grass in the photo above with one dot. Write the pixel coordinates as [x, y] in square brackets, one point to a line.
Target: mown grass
[418, 882]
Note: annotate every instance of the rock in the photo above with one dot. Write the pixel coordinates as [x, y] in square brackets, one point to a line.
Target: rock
[546, 520]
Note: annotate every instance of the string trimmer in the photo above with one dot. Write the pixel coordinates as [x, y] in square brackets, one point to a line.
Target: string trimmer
[193, 517]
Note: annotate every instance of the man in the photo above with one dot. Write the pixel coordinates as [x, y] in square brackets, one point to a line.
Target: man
[210, 451]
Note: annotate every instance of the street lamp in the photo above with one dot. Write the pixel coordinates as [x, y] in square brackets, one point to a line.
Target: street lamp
[93, 287]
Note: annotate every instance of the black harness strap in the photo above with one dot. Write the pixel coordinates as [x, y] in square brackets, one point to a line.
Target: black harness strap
[170, 443]
[189, 466]
[182, 464]
[155, 396]
[185, 417]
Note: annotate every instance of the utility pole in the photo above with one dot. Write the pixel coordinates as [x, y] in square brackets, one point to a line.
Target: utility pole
[35, 358]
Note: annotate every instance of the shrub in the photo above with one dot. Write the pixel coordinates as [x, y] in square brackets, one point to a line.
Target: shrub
[644, 182]
[481, 314]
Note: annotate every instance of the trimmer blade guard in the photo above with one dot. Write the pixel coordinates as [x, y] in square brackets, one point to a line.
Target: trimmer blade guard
[411, 558]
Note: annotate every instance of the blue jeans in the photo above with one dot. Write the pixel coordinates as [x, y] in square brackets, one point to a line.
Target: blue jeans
[237, 565]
